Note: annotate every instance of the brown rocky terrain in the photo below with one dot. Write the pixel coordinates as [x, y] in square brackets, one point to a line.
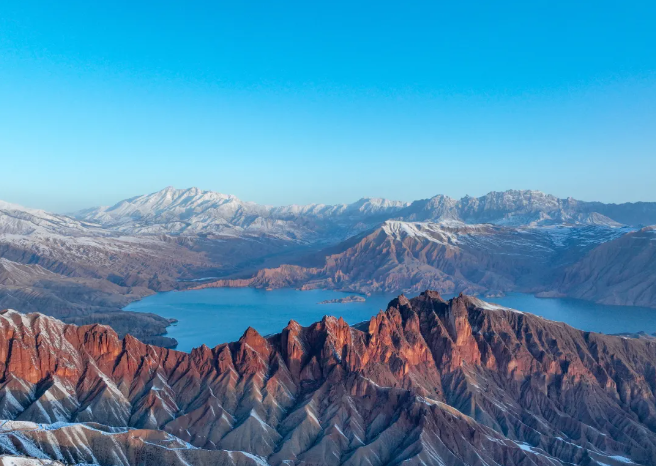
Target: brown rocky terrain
[427, 382]
[82, 273]
[621, 272]
[401, 256]
[86, 280]
[411, 256]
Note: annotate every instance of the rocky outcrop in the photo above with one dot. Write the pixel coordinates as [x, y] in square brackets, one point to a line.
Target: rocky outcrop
[427, 382]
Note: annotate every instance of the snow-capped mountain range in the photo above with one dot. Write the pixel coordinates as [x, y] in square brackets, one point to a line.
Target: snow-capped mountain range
[193, 211]
[518, 208]
[83, 265]
[23, 221]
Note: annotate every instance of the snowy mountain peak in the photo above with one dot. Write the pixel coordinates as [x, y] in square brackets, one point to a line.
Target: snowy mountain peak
[192, 210]
[512, 208]
[370, 205]
[516, 199]
[8, 206]
[167, 204]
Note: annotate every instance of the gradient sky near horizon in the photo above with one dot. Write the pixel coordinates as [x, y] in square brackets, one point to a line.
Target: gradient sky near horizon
[300, 102]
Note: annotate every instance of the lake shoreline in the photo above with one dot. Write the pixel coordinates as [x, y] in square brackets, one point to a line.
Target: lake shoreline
[216, 315]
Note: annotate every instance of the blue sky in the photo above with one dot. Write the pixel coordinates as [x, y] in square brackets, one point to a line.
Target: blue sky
[299, 102]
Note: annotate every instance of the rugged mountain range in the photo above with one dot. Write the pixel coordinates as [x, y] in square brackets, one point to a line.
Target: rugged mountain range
[427, 382]
[85, 268]
[193, 211]
[503, 241]
[451, 256]
[84, 272]
[522, 208]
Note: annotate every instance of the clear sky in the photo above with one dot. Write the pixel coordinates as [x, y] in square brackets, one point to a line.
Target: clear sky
[295, 102]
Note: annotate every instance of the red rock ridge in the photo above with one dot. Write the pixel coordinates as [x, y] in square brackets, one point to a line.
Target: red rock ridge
[462, 382]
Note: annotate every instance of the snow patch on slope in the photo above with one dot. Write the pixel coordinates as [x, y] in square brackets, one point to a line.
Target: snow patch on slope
[433, 232]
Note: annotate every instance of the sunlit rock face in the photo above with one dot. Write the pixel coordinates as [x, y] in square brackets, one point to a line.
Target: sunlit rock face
[432, 382]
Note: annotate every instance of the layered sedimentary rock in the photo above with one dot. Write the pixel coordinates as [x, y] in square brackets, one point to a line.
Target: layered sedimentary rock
[427, 382]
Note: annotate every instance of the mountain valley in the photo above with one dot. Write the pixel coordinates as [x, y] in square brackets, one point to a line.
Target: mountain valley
[84, 268]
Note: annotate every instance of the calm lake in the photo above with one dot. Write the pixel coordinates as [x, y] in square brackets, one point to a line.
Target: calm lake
[218, 315]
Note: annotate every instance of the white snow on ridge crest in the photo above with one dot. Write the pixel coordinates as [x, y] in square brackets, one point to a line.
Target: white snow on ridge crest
[433, 232]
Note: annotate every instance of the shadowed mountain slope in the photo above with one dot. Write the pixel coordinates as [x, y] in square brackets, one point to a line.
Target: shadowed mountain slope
[622, 271]
[411, 256]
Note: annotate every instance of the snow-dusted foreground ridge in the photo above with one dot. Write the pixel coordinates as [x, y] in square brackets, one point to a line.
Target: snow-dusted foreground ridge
[427, 382]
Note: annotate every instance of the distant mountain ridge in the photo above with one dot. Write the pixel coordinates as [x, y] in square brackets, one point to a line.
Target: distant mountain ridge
[19, 220]
[516, 208]
[81, 268]
[192, 211]
[449, 257]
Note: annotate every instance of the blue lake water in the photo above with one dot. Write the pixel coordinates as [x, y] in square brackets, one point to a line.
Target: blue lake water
[218, 315]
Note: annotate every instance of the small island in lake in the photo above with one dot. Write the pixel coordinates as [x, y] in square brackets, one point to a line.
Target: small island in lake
[348, 299]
